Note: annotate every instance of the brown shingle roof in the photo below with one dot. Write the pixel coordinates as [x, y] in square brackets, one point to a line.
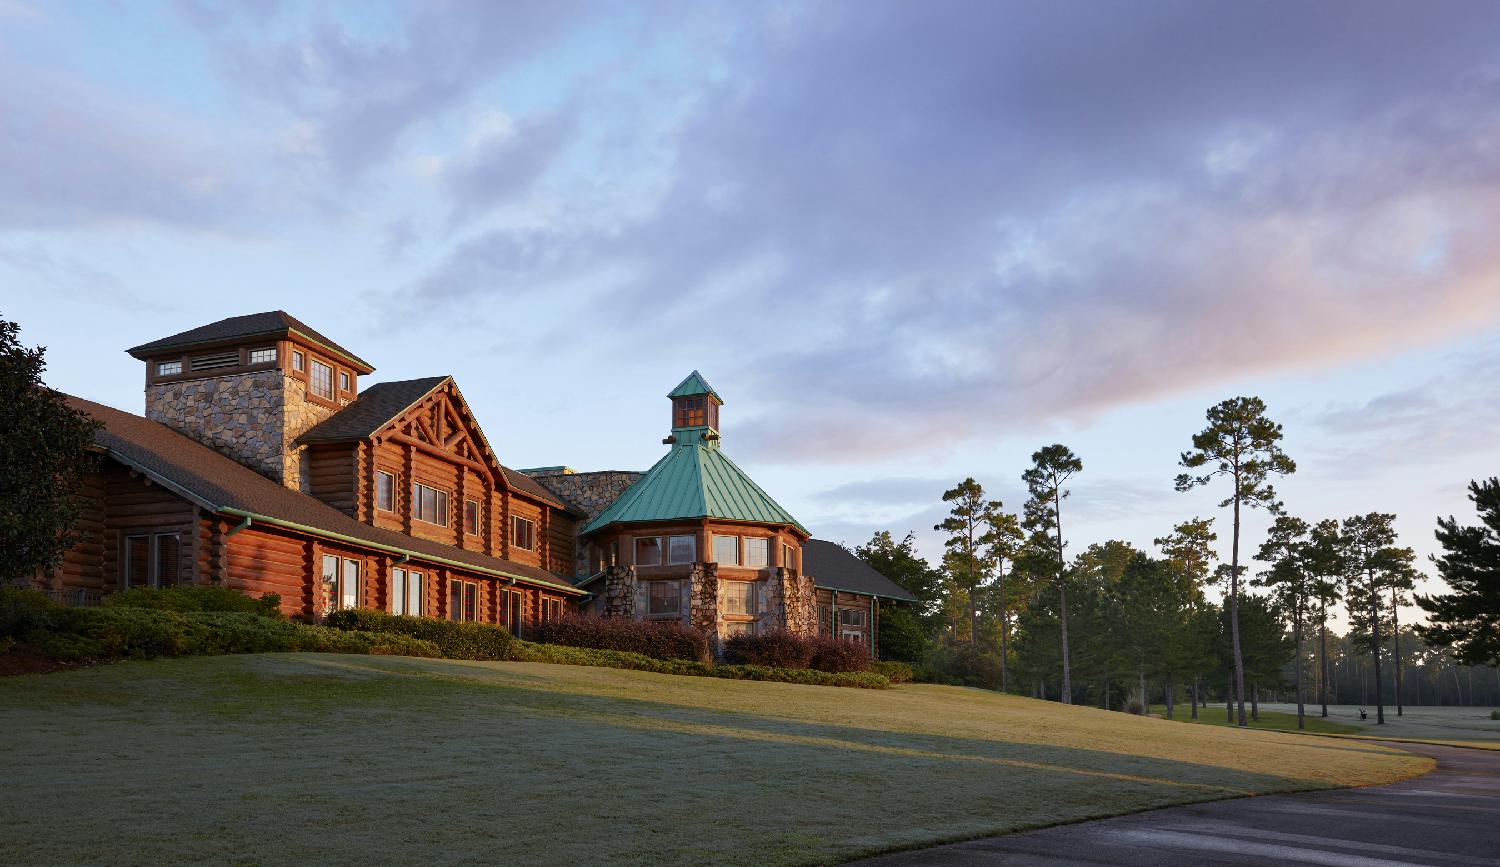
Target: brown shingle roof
[277, 323]
[834, 567]
[218, 482]
[376, 406]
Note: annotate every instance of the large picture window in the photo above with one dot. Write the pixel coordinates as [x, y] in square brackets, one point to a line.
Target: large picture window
[757, 553]
[665, 597]
[727, 550]
[682, 549]
[523, 533]
[406, 592]
[429, 504]
[320, 380]
[151, 560]
[648, 551]
[739, 597]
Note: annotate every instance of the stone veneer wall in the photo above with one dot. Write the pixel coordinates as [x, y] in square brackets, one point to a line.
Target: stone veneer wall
[703, 607]
[620, 586]
[253, 418]
[591, 492]
[790, 603]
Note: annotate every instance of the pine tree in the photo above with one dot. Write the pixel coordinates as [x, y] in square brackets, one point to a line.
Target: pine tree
[1051, 468]
[1467, 620]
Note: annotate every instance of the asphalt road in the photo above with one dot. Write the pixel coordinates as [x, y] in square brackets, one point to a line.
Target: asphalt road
[1450, 816]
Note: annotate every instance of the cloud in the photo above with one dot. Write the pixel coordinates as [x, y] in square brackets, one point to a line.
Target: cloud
[947, 226]
[903, 490]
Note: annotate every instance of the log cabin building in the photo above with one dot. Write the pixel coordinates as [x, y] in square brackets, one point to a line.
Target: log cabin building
[263, 464]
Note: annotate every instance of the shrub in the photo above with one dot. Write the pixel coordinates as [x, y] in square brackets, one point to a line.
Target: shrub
[1134, 706]
[453, 640]
[1495, 714]
[902, 636]
[526, 651]
[836, 655]
[966, 665]
[777, 648]
[27, 613]
[895, 672]
[195, 599]
[656, 639]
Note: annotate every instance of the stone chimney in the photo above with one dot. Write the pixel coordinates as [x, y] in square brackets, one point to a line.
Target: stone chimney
[248, 387]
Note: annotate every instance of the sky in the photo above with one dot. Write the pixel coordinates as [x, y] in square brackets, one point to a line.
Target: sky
[907, 243]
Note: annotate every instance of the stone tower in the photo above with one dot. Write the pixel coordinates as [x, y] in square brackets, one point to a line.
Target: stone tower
[249, 386]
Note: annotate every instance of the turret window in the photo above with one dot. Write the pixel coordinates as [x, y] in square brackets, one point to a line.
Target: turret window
[727, 550]
[691, 412]
[757, 553]
[320, 380]
[681, 549]
[739, 597]
[648, 551]
[665, 597]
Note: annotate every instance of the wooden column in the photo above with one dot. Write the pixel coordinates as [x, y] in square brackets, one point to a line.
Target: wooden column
[403, 496]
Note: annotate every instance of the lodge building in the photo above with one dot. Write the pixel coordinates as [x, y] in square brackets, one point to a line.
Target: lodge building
[264, 464]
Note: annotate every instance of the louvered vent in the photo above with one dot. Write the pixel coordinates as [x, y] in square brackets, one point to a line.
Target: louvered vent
[213, 362]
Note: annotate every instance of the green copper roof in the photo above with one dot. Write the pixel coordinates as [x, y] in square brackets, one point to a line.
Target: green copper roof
[693, 386]
[694, 480]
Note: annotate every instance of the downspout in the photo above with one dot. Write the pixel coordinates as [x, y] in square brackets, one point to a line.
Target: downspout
[242, 525]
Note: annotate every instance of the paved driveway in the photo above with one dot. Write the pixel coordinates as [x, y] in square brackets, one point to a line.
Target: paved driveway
[1448, 817]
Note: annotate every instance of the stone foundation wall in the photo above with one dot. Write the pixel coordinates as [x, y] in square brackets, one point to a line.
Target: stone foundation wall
[591, 492]
[253, 418]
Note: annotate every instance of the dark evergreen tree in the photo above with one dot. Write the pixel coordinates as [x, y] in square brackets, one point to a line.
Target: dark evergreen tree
[1051, 468]
[1467, 620]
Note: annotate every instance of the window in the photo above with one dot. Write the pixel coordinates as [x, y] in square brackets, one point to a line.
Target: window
[151, 561]
[789, 557]
[681, 549]
[523, 533]
[739, 627]
[852, 617]
[428, 504]
[406, 592]
[552, 609]
[471, 517]
[320, 380]
[299, 361]
[648, 551]
[169, 368]
[463, 600]
[665, 597]
[343, 381]
[739, 597]
[727, 550]
[385, 491]
[341, 578]
[262, 356]
[757, 553]
[690, 412]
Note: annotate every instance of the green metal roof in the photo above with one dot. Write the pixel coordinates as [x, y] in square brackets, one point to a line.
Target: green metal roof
[694, 480]
[693, 386]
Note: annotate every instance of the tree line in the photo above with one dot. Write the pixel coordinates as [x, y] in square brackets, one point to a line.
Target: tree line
[1012, 607]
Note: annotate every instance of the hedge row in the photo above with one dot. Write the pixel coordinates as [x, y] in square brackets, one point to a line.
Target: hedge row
[196, 599]
[34, 624]
[782, 649]
[656, 639]
[453, 640]
[526, 651]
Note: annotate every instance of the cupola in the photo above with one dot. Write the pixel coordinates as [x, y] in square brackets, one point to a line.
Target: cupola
[695, 411]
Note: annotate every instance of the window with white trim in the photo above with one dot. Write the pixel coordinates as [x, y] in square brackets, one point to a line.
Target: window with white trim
[299, 360]
[320, 380]
[406, 592]
[664, 597]
[739, 627]
[757, 553]
[789, 556]
[429, 505]
[552, 609]
[262, 356]
[341, 576]
[648, 550]
[471, 517]
[169, 368]
[727, 550]
[463, 600]
[385, 491]
[854, 617]
[343, 381]
[739, 597]
[681, 549]
[523, 533]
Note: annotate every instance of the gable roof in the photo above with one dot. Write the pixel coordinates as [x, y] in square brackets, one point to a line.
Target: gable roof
[836, 568]
[694, 480]
[381, 404]
[693, 386]
[272, 323]
[221, 484]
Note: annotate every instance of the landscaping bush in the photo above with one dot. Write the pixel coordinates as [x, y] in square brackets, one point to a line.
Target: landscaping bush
[27, 613]
[453, 640]
[902, 636]
[777, 648]
[196, 599]
[837, 655]
[1134, 706]
[526, 651]
[965, 665]
[1495, 714]
[895, 672]
[656, 639]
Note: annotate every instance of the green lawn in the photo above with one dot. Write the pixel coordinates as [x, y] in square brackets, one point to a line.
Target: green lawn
[351, 759]
[1458, 726]
[1270, 720]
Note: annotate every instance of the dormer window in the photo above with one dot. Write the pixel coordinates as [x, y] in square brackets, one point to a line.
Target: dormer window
[320, 381]
[262, 356]
[169, 368]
